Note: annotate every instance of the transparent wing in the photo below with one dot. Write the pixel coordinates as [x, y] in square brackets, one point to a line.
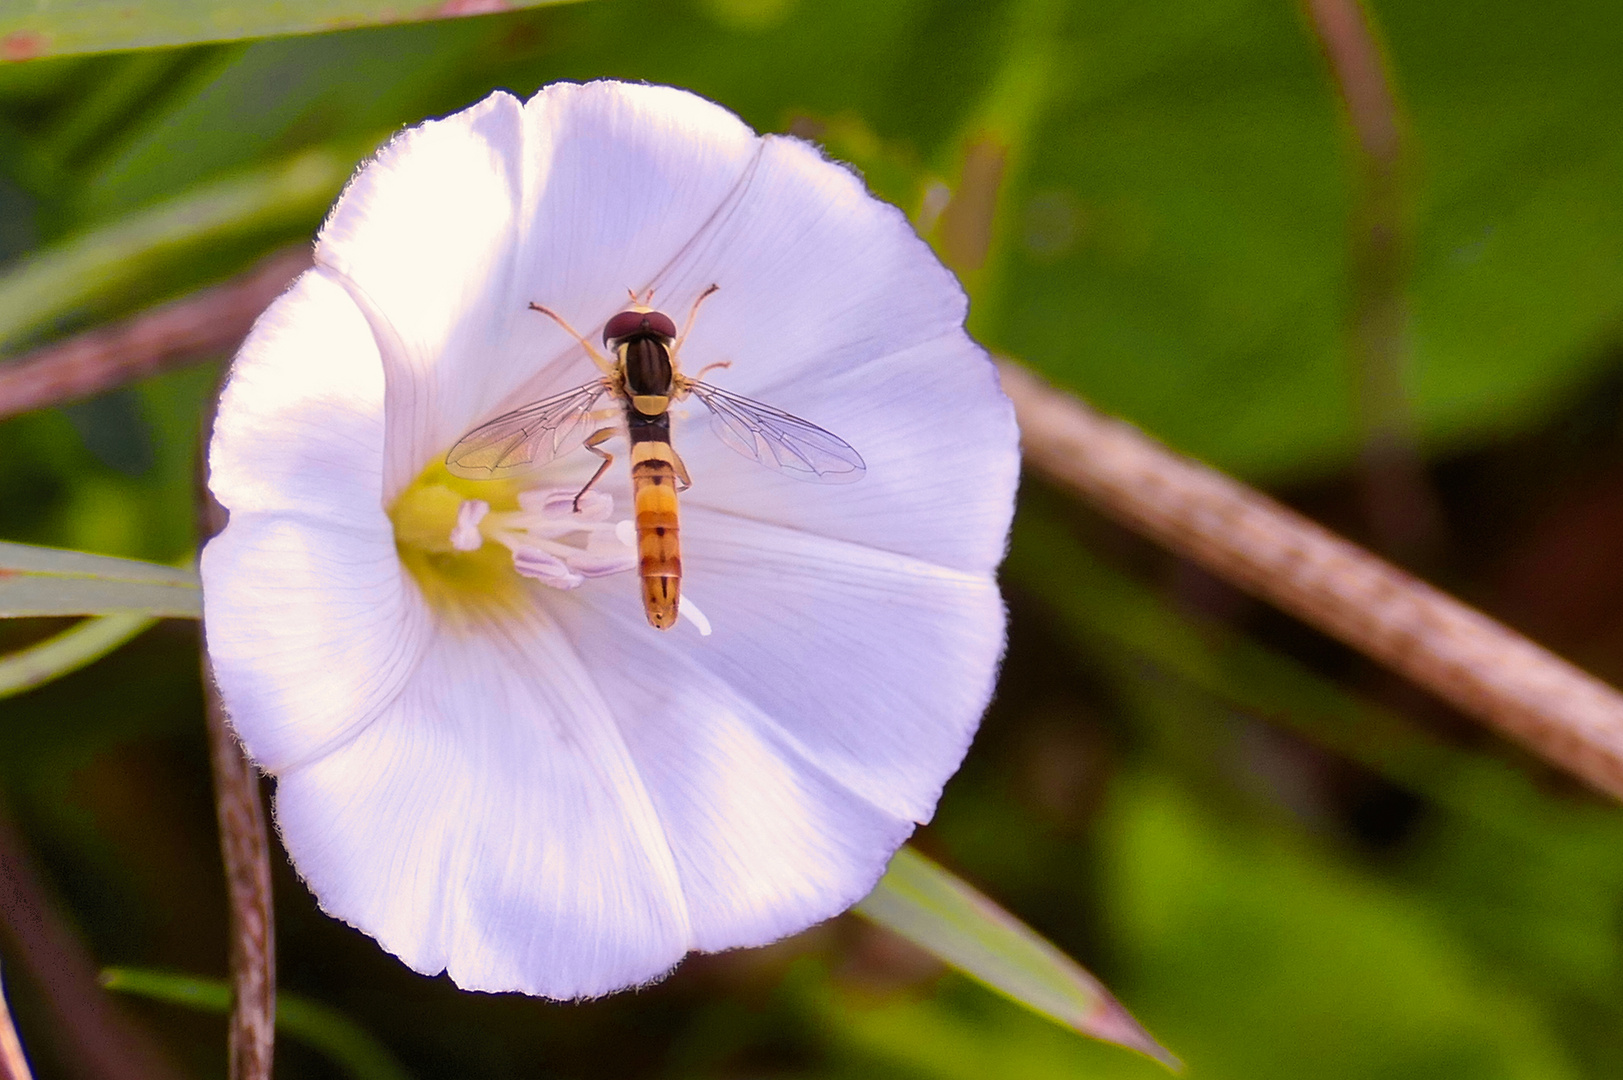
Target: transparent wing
[528, 436]
[778, 440]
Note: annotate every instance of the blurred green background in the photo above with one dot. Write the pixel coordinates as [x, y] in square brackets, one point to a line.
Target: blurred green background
[1285, 862]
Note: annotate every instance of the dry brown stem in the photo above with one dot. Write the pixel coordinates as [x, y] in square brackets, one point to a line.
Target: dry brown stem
[245, 846]
[1343, 29]
[1476, 664]
[193, 328]
[1400, 507]
[245, 850]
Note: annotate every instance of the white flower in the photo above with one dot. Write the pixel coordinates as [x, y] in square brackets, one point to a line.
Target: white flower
[485, 756]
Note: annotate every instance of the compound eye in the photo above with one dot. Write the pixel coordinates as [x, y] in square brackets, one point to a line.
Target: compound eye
[624, 325]
[660, 323]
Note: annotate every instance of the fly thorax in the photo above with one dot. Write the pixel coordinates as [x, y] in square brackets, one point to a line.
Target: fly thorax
[646, 362]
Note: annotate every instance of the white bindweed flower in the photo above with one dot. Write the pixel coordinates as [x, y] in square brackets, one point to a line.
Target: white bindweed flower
[485, 756]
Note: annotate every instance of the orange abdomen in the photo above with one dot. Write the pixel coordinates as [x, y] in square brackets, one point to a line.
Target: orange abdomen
[659, 547]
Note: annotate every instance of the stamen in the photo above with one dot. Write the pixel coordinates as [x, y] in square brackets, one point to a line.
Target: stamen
[559, 546]
[554, 504]
[602, 564]
[466, 535]
[546, 568]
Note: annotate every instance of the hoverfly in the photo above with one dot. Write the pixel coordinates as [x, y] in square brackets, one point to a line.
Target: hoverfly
[643, 377]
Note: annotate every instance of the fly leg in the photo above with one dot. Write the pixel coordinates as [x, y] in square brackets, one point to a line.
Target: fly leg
[712, 367]
[597, 358]
[593, 441]
[681, 471]
[682, 385]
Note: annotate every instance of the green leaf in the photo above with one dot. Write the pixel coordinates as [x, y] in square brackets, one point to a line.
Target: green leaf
[1273, 956]
[956, 1032]
[1551, 919]
[38, 581]
[942, 915]
[106, 263]
[61, 27]
[67, 652]
[338, 92]
[317, 1025]
[1178, 239]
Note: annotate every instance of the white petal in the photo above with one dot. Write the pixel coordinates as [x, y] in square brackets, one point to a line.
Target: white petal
[566, 812]
[875, 667]
[830, 307]
[426, 233]
[766, 842]
[461, 223]
[492, 824]
[940, 443]
[621, 179]
[312, 631]
[815, 275]
[300, 425]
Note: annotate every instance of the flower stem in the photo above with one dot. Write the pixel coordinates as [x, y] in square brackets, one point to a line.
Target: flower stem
[196, 327]
[1480, 666]
[245, 847]
[1400, 507]
[245, 850]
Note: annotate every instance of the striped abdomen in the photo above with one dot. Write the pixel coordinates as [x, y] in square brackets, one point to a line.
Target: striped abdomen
[653, 492]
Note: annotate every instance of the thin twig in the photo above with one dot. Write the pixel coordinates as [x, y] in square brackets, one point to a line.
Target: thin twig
[1478, 665]
[13, 1062]
[245, 848]
[1360, 71]
[92, 1037]
[193, 328]
[1401, 508]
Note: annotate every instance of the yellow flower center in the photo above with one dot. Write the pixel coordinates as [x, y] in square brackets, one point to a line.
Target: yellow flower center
[455, 582]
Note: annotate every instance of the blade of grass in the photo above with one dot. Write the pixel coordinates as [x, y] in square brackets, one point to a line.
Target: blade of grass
[318, 1026]
[61, 27]
[36, 581]
[199, 326]
[67, 652]
[111, 260]
[946, 917]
